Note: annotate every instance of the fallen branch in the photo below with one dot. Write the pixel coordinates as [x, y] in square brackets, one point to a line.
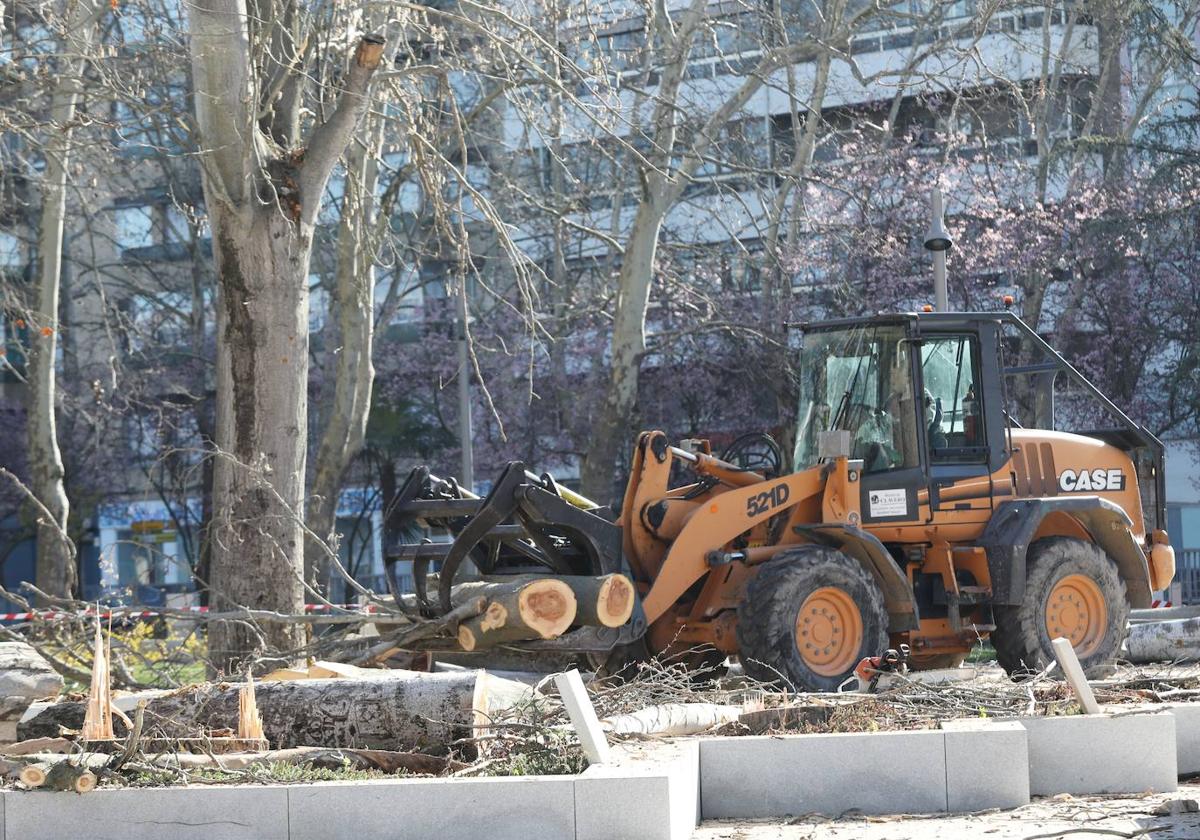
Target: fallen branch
[672, 719]
[402, 639]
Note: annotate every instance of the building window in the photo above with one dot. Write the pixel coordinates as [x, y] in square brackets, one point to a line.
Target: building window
[161, 226]
[133, 227]
[10, 253]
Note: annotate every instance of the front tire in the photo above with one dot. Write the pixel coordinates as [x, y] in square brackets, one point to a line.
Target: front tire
[809, 617]
[1073, 590]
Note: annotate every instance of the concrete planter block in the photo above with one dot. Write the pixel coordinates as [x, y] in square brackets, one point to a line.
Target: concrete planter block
[987, 765]
[1085, 754]
[654, 796]
[509, 808]
[202, 813]
[1187, 736]
[877, 773]
[1187, 731]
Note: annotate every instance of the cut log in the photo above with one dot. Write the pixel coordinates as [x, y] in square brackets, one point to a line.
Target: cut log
[32, 776]
[672, 719]
[1164, 641]
[25, 676]
[37, 745]
[27, 772]
[538, 608]
[66, 776]
[605, 601]
[397, 710]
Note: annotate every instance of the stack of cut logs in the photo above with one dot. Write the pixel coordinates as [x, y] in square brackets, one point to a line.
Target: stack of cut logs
[530, 607]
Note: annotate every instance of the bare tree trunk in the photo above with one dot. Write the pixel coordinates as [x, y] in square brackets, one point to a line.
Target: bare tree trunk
[55, 571]
[354, 308]
[262, 201]
[261, 425]
[628, 345]
[662, 185]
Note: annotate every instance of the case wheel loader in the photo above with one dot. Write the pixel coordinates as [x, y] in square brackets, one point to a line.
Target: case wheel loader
[916, 510]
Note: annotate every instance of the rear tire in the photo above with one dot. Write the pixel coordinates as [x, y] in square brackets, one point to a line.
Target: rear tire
[1072, 589]
[809, 616]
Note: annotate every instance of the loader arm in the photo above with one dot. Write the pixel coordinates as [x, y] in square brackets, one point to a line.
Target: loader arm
[694, 525]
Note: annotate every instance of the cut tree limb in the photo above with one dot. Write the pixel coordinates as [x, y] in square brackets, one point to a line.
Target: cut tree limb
[672, 719]
[542, 608]
[1164, 641]
[397, 710]
[27, 772]
[25, 676]
[65, 776]
[396, 642]
[605, 601]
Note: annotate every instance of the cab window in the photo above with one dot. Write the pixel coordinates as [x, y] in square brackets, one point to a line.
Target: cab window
[859, 380]
[952, 415]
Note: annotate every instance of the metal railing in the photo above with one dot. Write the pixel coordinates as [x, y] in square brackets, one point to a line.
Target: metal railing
[1187, 572]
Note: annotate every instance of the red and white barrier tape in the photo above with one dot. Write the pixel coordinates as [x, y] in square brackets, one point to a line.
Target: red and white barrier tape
[118, 612]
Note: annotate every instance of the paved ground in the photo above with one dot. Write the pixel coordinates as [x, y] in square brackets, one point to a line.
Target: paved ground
[1069, 818]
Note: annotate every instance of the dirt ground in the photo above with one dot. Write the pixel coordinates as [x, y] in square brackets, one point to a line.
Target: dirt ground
[1066, 817]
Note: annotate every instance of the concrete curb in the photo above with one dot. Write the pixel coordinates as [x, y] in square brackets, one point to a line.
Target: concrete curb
[1089, 754]
[1187, 731]
[645, 793]
[660, 791]
[876, 773]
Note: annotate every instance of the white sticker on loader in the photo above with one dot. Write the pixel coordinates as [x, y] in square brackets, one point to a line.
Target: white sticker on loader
[889, 502]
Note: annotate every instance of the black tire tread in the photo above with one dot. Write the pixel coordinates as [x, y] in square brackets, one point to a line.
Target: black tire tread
[767, 615]
[1021, 641]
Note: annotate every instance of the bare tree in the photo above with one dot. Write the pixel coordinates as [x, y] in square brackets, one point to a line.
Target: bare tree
[677, 148]
[263, 183]
[56, 574]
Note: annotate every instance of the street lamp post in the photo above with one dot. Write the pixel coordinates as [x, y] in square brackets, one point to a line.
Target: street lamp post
[939, 241]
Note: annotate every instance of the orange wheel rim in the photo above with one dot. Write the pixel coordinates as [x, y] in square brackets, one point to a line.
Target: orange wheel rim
[1076, 610]
[829, 631]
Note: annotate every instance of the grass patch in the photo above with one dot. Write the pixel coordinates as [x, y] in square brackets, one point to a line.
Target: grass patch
[982, 652]
[275, 772]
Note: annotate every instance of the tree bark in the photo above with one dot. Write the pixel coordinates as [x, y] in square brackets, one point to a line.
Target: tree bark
[55, 570]
[261, 429]
[262, 202]
[612, 430]
[24, 677]
[397, 710]
[1164, 641]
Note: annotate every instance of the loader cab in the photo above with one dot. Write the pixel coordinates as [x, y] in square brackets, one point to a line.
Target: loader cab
[917, 399]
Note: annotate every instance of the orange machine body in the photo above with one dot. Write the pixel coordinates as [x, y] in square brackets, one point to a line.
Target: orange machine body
[695, 548]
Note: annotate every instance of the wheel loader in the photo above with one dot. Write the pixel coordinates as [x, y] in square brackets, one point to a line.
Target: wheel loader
[915, 510]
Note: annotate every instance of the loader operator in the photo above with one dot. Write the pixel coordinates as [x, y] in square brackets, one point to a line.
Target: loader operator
[933, 422]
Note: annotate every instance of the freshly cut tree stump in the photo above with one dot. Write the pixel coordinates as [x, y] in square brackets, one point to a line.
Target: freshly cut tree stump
[537, 608]
[397, 710]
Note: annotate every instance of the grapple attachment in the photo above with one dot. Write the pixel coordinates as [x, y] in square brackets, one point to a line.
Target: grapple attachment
[527, 524]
